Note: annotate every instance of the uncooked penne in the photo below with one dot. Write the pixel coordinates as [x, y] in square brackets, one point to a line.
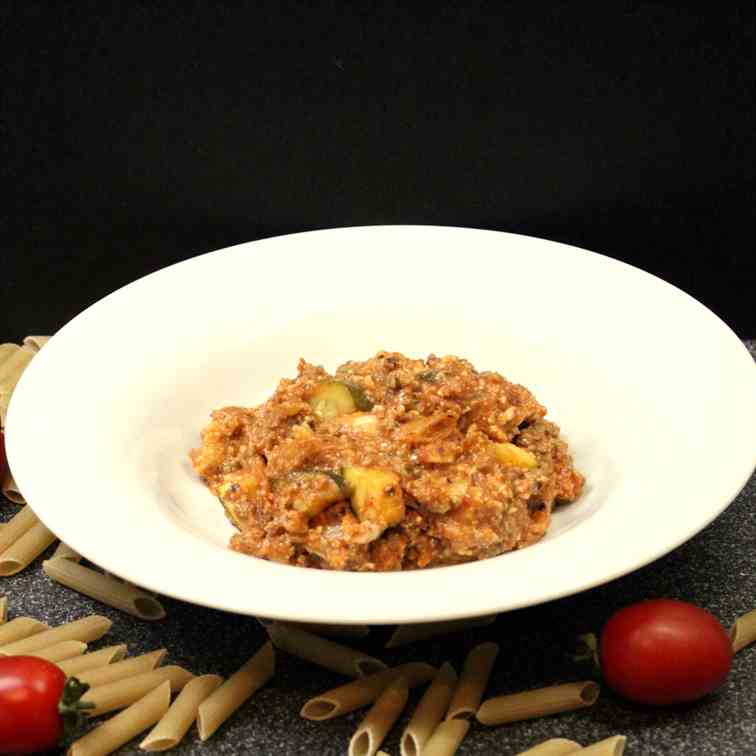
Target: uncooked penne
[614, 746]
[59, 652]
[336, 631]
[12, 367]
[6, 351]
[26, 549]
[11, 491]
[743, 632]
[447, 738]
[23, 521]
[430, 711]
[36, 342]
[246, 681]
[363, 691]
[136, 665]
[20, 628]
[323, 652]
[94, 660]
[404, 634]
[3, 609]
[473, 681]
[64, 551]
[122, 693]
[104, 588]
[116, 731]
[373, 729]
[86, 629]
[553, 747]
[175, 723]
[538, 703]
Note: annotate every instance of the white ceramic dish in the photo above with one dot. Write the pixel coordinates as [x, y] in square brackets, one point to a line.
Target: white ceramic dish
[654, 393]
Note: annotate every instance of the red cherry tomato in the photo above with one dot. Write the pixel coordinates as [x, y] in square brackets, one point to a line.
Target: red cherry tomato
[30, 690]
[663, 652]
[3, 458]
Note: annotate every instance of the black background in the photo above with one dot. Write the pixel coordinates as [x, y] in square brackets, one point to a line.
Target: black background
[139, 134]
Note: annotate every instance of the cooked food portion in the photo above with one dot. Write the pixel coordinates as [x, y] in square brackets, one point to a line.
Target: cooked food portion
[392, 463]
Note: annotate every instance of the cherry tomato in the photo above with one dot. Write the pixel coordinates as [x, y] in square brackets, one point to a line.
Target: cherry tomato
[664, 652]
[30, 690]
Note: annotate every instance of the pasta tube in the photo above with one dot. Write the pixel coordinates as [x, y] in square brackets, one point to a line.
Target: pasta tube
[405, 634]
[380, 719]
[447, 738]
[61, 651]
[553, 747]
[26, 549]
[20, 523]
[137, 665]
[473, 681]
[94, 660]
[430, 711]
[87, 629]
[20, 628]
[743, 632]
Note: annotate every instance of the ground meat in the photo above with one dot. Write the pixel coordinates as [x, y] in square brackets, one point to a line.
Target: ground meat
[391, 464]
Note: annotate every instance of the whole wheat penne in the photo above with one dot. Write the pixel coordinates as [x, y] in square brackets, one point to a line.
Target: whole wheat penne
[473, 681]
[614, 746]
[743, 632]
[64, 551]
[6, 351]
[224, 701]
[335, 631]
[538, 703]
[447, 738]
[59, 652]
[430, 711]
[373, 729]
[20, 523]
[5, 397]
[19, 628]
[86, 629]
[93, 660]
[175, 723]
[26, 549]
[36, 342]
[117, 730]
[11, 490]
[323, 652]
[12, 367]
[136, 665]
[104, 588]
[122, 693]
[3, 609]
[404, 634]
[363, 691]
[553, 747]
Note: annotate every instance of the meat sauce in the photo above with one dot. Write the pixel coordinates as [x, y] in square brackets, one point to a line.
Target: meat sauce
[390, 464]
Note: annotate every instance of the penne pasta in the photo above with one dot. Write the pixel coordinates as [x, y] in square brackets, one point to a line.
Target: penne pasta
[175, 723]
[87, 629]
[20, 523]
[11, 491]
[64, 551]
[120, 729]
[430, 711]
[246, 681]
[614, 746]
[3, 609]
[61, 651]
[103, 588]
[538, 703]
[323, 652]
[20, 628]
[93, 660]
[122, 669]
[473, 681]
[361, 692]
[447, 738]
[743, 632]
[122, 693]
[380, 719]
[553, 747]
[12, 367]
[6, 351]
[337, 631]
[26, 549]
[405, 634]
[36, 342]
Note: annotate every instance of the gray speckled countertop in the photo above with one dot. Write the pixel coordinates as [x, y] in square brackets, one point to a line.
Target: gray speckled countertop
[716, 569]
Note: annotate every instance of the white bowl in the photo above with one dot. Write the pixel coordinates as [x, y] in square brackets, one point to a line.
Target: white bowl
[653, 392]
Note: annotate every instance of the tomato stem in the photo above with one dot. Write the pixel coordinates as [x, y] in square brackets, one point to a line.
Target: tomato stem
[71, 708]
